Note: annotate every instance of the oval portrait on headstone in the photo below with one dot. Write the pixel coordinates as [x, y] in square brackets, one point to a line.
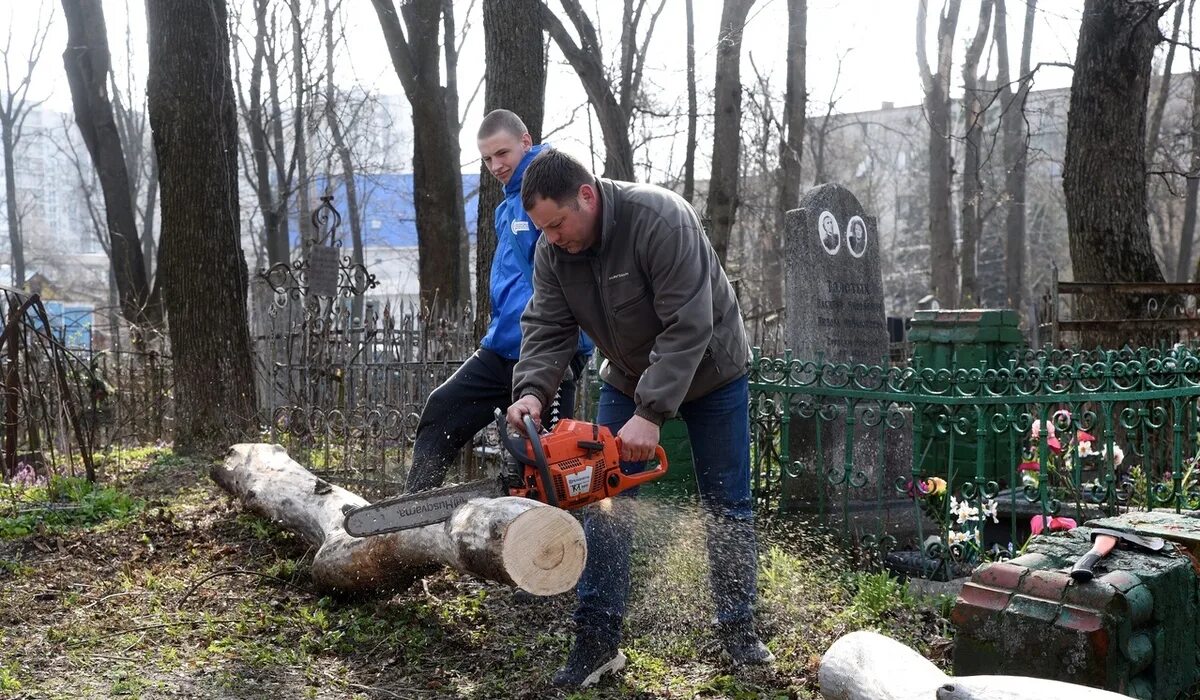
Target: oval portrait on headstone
[856, 236]
[829, 232]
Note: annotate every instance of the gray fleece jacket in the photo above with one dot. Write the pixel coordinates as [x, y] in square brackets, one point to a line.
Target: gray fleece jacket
[653, 296]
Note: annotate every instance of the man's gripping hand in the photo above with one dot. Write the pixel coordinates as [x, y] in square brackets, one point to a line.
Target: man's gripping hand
[639, 437]
[526, 405]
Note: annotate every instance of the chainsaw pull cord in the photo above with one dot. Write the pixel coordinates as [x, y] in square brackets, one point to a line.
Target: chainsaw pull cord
[539, 456]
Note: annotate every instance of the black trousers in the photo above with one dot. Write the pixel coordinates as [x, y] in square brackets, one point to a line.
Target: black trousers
[464, 405]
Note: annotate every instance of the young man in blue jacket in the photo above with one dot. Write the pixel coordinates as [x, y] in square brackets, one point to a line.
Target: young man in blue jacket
[466, 402]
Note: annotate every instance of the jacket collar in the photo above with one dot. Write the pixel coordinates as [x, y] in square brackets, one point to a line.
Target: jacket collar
[514, 183]
[608, 212]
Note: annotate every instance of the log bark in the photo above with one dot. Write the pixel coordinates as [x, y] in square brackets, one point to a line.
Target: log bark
[516, 541]
[869, 666]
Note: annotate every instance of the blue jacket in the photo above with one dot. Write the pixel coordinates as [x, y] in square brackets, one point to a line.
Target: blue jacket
[512, 269]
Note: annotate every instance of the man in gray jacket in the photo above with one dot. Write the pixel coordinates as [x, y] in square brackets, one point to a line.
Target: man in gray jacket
[630, 265]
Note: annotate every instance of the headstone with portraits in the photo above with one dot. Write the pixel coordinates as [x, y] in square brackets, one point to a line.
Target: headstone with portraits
[834, 300]
[834, 280]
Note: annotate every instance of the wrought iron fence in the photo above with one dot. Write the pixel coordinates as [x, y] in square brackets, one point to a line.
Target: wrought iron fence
[955, 463]
[45, 386]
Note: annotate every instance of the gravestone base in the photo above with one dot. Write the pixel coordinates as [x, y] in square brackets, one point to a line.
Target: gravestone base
[1134, 629]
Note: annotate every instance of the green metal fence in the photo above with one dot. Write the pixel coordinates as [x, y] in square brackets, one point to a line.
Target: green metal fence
[958, 463]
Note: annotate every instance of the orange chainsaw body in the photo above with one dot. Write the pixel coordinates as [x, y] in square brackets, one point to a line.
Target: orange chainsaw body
[583, 461]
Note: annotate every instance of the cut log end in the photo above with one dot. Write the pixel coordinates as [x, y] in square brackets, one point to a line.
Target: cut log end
[544, 551]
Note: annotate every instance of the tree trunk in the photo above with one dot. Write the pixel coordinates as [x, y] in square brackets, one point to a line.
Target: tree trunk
[455, 156]
[791, 151]
[514, 79]
[722, 203]
[9, 142]
[869, 666]
[263, 118]
[149, 249]
[299, 127]
[1187, 234]
[516, 541]
[586, 59]
[689, 156]
[972, 189]
[87, 65]
[1164, 88]
[1014, 151]
[943, 276]
[201, 264]
[1104, 171]
[437, 183]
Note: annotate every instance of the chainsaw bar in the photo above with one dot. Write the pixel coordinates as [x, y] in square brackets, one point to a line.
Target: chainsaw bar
[417, 509]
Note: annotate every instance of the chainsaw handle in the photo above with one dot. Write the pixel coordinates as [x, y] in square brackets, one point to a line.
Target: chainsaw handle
[625, 481]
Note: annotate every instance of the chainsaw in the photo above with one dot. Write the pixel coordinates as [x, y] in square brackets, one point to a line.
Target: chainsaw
[575, 464]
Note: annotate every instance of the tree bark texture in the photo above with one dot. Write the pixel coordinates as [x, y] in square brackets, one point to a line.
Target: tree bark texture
[866, 665]
[514, 79]
[8, 141]
[722, 204]
[300, 82]
[1164, 88]
[972, 187]
[586, 58]
[88, 67]
[943, 274]
[437, 183]
[1104, 171]
[346, 159]
[1187, 234]
[515, 541]
[203, 271]
[1014, 150]
[791, 150]
[689, 155]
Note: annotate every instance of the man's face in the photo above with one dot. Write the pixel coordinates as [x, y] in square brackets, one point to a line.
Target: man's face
[502, 152]
[573, 226]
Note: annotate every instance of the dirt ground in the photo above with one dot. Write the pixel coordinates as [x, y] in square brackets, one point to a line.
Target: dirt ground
[191, 597]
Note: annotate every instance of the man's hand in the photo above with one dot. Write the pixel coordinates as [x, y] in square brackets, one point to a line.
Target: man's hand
[526, 405]
[639, 437]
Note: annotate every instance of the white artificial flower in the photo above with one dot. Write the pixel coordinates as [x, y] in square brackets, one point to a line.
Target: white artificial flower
[989, 510]
[1085, 449]
[1118, 454]
[964, 511]
[957, 537]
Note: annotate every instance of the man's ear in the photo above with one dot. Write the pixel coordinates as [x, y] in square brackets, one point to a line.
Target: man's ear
[526, 141]
[588, 196]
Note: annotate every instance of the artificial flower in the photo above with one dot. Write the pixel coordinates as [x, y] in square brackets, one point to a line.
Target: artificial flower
[963, 510]
[935, 486]
[1052, 524]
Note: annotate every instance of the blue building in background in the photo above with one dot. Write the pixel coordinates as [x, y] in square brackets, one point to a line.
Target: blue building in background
[386, 204]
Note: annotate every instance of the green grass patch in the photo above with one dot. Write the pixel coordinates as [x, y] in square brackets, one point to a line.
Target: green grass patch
[64, 503]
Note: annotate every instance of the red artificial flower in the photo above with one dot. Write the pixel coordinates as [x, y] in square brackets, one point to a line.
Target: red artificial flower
[1052, 523]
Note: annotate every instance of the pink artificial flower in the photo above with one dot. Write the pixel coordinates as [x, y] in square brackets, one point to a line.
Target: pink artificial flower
[1052, 523]
[1033, 466]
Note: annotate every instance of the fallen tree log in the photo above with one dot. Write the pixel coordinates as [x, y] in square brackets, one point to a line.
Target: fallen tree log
[517, 541]
[869, 666]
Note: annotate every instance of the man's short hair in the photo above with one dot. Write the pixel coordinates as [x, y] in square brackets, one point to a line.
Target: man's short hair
[553, 175]
[499, 120]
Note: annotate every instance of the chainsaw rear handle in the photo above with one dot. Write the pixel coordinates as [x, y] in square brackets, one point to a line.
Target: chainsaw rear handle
[618, 481]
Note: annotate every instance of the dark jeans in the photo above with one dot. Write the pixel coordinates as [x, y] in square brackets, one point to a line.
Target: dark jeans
[464, 405]
[719, 431]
